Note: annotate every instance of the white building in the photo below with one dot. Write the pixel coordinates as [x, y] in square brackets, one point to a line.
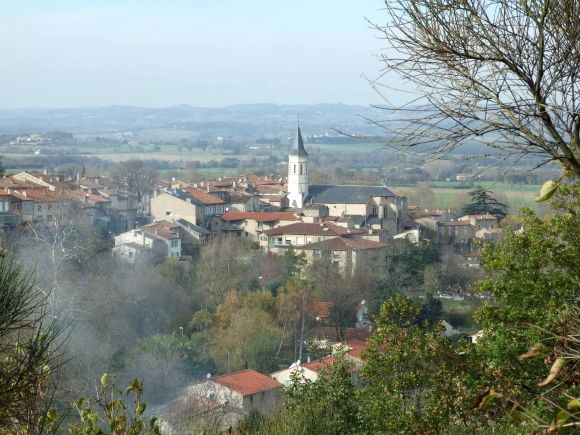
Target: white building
[297, 173]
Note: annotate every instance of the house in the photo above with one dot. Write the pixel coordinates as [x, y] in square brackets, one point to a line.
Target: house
[245, 391]
[481, 221]
[54, 183]
[193, 234]
[454, 232]
[95, 207]
[41, 204]
[278, 239]
[8, 217]
[160, 238]
[320, 310]
[196, 206]
[253, 224]
[309, 371]
[344, 252]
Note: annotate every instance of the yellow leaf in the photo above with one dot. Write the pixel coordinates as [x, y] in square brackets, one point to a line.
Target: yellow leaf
[554, 371]
[105, 380]
[484, 399]
[534, 351]
[547, 190]
[574, 403]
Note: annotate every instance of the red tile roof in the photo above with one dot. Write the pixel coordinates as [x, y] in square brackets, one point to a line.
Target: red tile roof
[325, 229]
[39, 195]
[163, 228]
[247, 382]
[202, 196]
[343, 244]
[270, 189]
[320, 309]
[258, 216]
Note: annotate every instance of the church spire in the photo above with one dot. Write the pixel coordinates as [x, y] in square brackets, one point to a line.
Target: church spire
[298, 149]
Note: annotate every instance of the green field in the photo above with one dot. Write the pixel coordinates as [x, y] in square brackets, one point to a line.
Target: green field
[513, 195]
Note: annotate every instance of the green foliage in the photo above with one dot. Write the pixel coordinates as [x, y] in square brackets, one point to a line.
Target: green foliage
[326, 406]
[28, 352]
[113, 412]
[482, 202]
[410, 374]
[293, 262]
[534, 278]
[415, 258]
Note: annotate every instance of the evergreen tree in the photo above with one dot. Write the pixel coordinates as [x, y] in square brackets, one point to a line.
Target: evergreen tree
[482, 202]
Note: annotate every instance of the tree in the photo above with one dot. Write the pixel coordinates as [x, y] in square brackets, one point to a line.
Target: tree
[499, 73]
[28, 352]
[221, 268]
[410, 374]
[326, 405]
[533, 277]
[482, 202]
[423, 196]
[134, 176]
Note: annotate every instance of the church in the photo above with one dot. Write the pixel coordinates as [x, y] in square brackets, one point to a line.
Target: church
[366, 206]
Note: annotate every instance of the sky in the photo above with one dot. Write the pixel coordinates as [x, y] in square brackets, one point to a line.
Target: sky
[205, 53]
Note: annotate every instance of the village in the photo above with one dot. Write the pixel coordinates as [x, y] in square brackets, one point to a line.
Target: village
[348, 225]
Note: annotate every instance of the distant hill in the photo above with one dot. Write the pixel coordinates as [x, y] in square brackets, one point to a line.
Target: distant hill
[235, 122]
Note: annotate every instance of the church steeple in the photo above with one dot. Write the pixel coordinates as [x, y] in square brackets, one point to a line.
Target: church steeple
[297, 172]
[298, 149]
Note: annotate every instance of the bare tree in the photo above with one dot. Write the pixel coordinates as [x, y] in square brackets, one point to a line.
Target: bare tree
[496, 72]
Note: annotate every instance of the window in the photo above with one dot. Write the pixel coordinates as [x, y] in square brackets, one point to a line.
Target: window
[130, 254]
[300, 169]
[167, 213]
[39, 208]
[294, 168]
[174, 243]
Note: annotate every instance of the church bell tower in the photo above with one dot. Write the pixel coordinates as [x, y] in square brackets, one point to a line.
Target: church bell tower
[297, 172]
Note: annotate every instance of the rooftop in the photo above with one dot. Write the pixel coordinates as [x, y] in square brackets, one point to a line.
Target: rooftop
[201, 196]
[247, 382]
[320, 309]
[162, 228]
[331, 194]
[454, 224]
[258, 216]
[478, 217]
[343, 244]
[313, 229]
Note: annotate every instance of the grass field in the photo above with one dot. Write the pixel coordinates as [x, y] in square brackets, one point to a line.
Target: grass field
[513, 195]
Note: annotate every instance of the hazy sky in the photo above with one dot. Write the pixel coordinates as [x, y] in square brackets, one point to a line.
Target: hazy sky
[204, 53]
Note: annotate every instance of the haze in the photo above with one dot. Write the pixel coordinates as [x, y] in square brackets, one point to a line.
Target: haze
[202, 53]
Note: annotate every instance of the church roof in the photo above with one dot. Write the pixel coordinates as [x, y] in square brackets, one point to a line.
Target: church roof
[298, 149]
[331, 194]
